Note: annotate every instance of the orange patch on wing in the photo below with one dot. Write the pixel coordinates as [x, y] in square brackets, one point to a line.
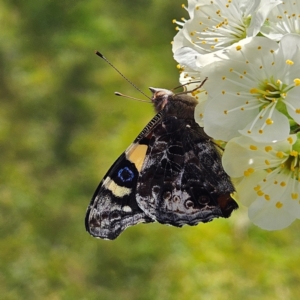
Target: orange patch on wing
[137, 156]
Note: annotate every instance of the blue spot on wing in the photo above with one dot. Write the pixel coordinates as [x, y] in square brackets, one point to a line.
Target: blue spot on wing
[125, 174]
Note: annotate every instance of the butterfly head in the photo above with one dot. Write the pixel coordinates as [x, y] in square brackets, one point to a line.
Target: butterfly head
[180, 105]
[160, 97]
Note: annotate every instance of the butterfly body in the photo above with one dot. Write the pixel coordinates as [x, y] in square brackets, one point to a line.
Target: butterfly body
[171, 173]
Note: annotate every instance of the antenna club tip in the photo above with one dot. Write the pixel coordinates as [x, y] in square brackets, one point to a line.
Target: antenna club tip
[118, 94]
[98, 53]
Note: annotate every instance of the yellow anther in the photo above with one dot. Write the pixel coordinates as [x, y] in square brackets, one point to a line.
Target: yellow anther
[294, 196]
[257, 188]
[260, 193]
[297, 81]
[269, 121]
[268, 148]
[279, 154]
[279, 204]
[252, 147]
[289, 62]
[254, 91]
[294, 153]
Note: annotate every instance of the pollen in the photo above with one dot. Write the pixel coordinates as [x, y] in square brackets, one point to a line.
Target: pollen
[238, 48]
[269, 121]
[279, 154]
[297, 81]
[248, 172]
[278, 204]
[294, 153]
[260, 193]
[268, 148]
[289, 62]
[294, 196]
[257, 188]
[253, 91]
[267, 197]
[252, 147]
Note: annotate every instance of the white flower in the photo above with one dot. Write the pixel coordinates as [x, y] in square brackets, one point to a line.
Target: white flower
[271, 182]
[282, 19]
[255, 91]
[217, 24]
[191, 81]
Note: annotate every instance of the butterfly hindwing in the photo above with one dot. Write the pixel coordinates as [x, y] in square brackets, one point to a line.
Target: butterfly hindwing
[182, 180]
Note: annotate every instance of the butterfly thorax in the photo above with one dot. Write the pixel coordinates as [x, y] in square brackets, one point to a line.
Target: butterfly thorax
[180, 105]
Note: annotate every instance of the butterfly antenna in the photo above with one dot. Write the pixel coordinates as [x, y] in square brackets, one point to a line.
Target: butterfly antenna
[183, 85]
[129, 97]
[195, 89]
[104, 58]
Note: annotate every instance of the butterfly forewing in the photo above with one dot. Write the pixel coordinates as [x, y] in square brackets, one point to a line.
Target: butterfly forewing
[113, 207]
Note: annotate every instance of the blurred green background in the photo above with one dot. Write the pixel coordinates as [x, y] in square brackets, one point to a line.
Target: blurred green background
[61, 128]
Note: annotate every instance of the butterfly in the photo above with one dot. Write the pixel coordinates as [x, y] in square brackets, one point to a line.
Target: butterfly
[172, 173]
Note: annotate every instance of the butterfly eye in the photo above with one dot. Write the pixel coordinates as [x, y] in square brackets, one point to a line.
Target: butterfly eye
[189, 204]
